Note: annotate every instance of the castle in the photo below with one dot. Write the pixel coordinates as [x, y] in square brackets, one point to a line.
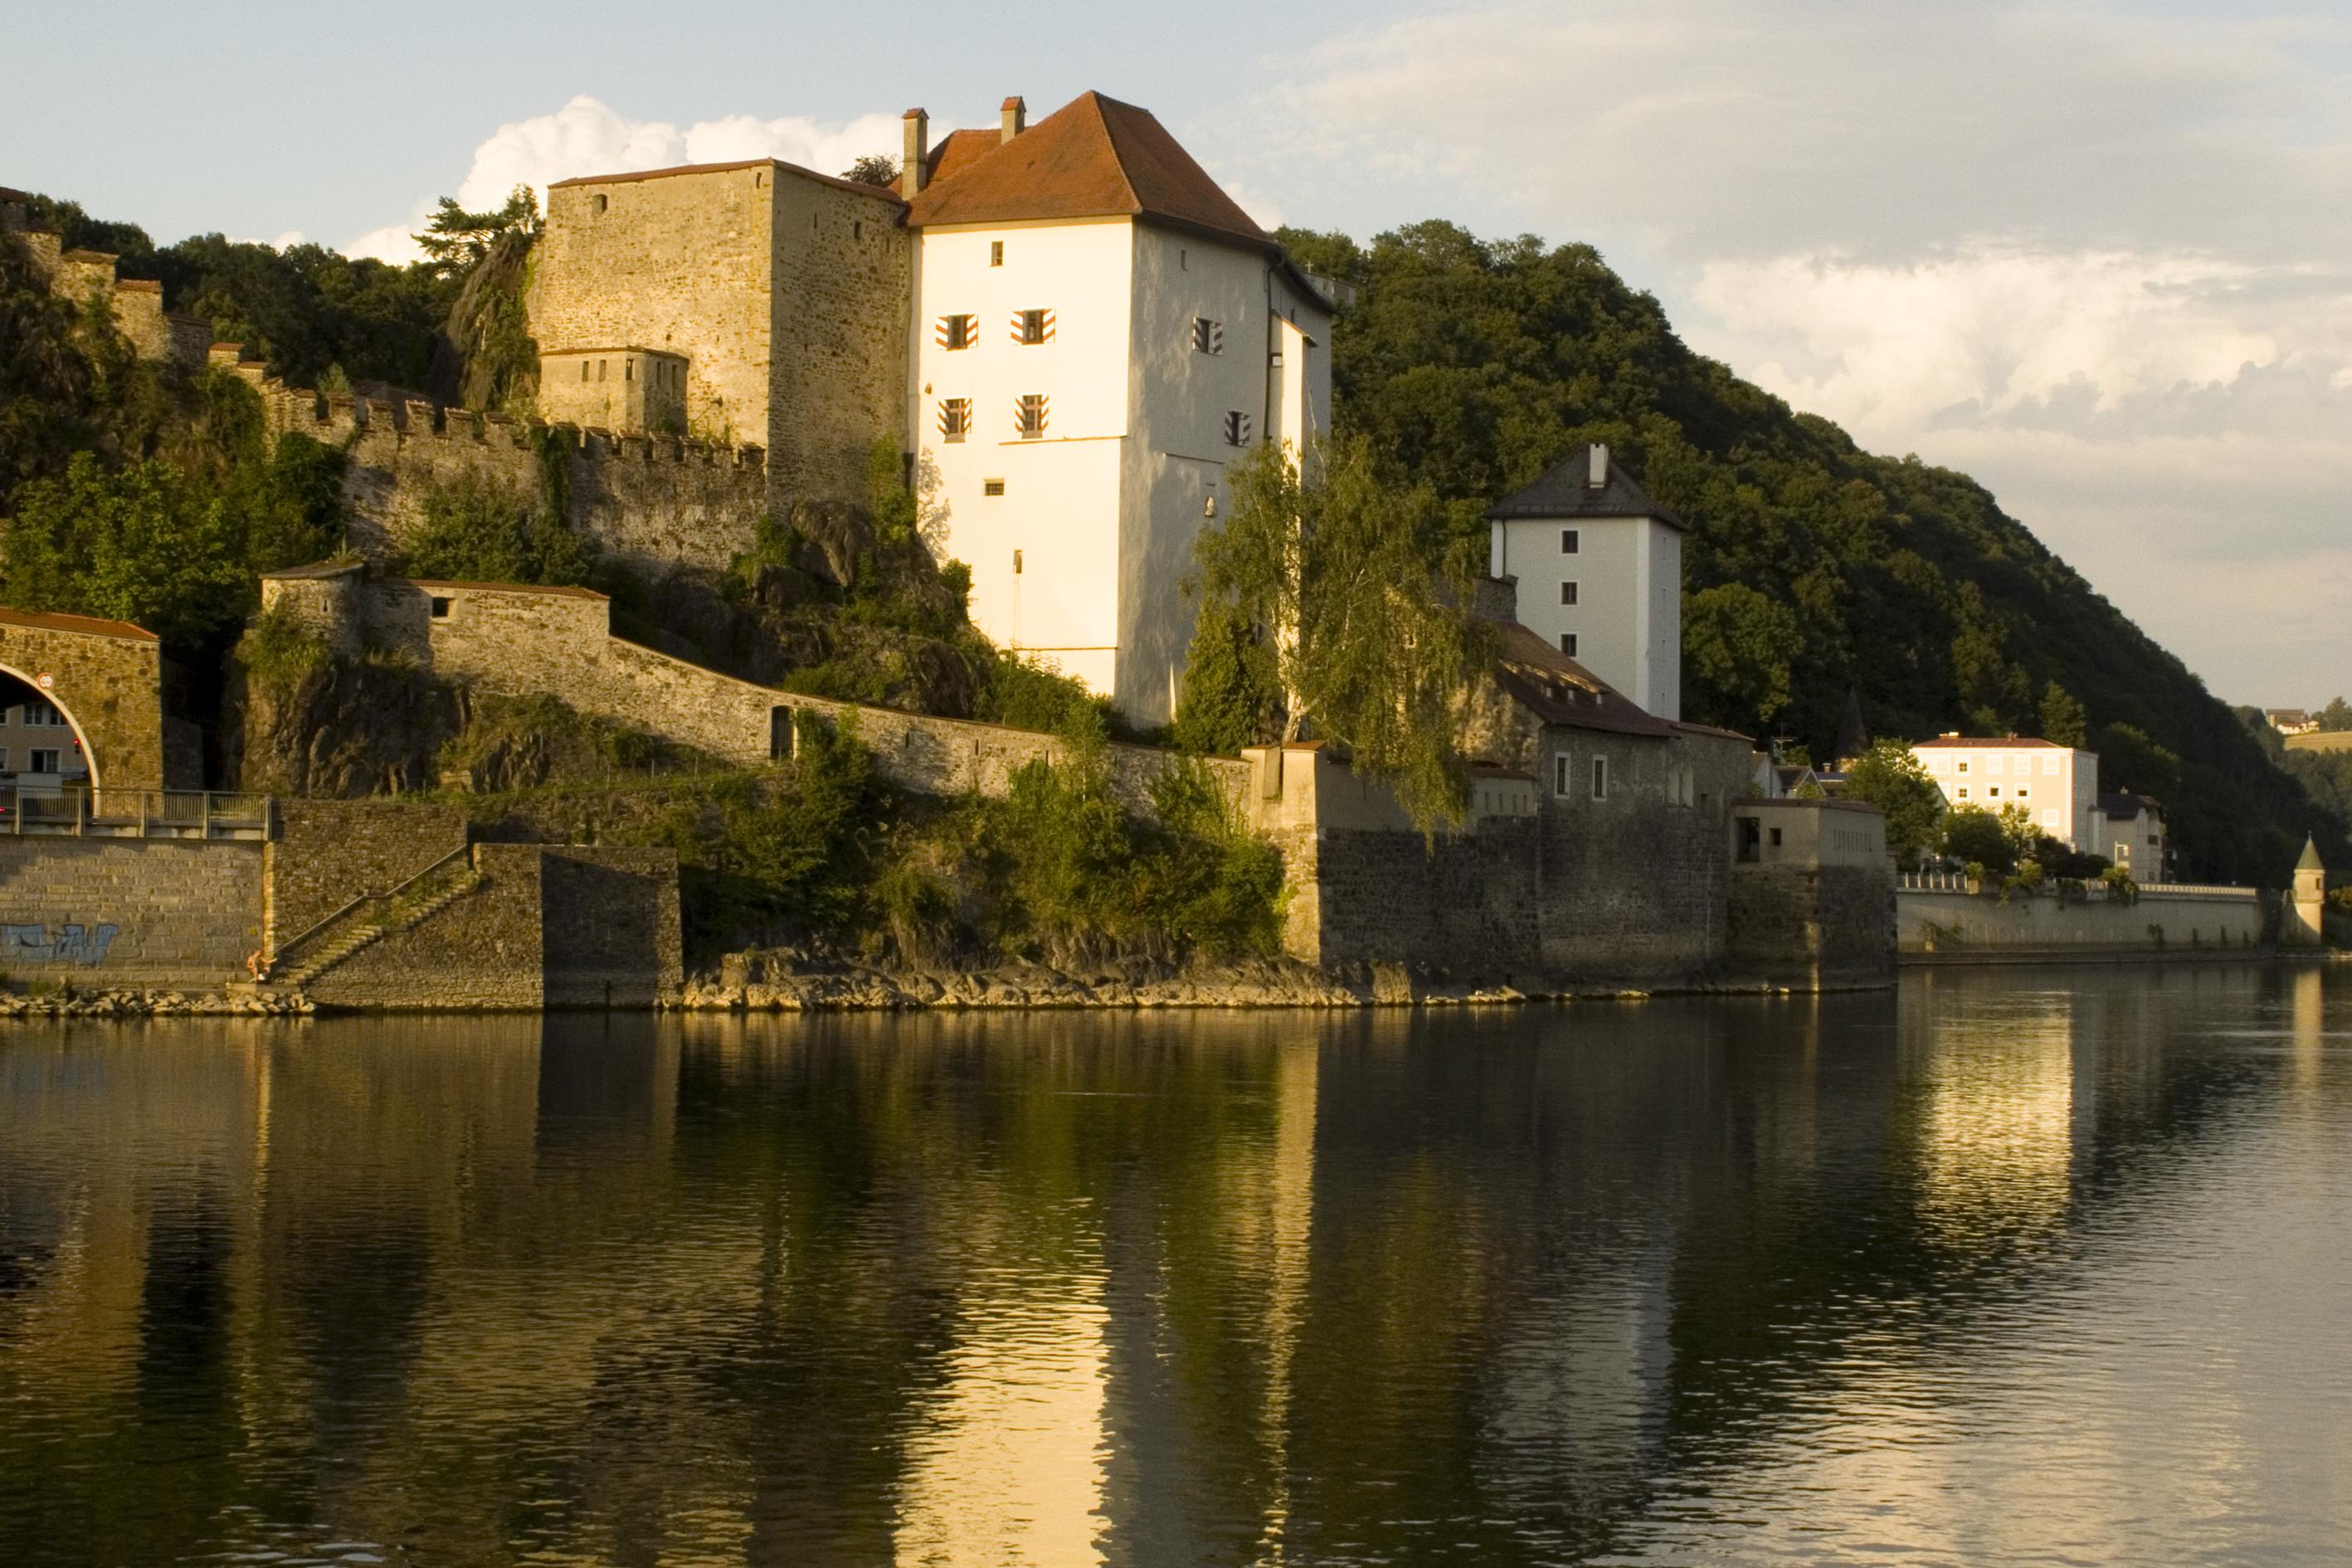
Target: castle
[1067, 327]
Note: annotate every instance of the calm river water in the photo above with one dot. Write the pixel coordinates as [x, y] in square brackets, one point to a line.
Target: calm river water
[2047, 1267]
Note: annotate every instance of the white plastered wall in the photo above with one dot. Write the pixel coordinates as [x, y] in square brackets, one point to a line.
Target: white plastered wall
[1061, 503]
[1628, 614]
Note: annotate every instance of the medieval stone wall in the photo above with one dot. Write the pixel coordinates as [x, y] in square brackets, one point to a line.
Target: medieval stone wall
[1957, 927]
[785, 292]
[609, 920]
[107, 678]
[483, 951]
[657, 501]
[98, 912]
[524, 641]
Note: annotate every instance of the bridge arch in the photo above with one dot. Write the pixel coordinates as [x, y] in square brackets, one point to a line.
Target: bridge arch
[106, 677]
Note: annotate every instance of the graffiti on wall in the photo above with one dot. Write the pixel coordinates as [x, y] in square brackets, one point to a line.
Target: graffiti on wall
[73, 943]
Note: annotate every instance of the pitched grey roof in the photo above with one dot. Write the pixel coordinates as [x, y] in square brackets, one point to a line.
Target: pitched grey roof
[2311, 860]
[1562, 492]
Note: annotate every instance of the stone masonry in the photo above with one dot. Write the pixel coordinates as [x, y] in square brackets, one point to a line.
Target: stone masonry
[106, 676]
[784, 292]
[99, 912]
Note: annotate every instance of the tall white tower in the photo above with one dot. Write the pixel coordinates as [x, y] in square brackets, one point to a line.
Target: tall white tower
[1600, 570]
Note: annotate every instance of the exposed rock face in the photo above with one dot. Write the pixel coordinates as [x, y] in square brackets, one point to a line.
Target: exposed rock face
[342, 731]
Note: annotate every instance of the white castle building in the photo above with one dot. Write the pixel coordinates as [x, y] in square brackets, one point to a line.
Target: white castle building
[1067, 323]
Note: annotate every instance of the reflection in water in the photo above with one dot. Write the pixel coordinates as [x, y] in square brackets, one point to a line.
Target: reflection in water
[2004, 1267]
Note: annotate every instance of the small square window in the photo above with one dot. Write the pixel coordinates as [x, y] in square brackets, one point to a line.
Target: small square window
[1993, 793]
[1029, 416]
[440, 609]
[1568, 540]
[1964, 766]
[1601, 778]
[996, 253]
[2023, 793]
[1237, 428]
[1964, 791]
[955, 418]
[1568, 644]
[1568, 593]
[992, 487]
[1208, 336]
[1033, 326]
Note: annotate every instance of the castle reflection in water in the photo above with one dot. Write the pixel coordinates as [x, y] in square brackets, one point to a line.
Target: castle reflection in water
[1948, 1269]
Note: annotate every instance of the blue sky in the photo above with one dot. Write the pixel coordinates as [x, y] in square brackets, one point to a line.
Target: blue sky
[2099, 254]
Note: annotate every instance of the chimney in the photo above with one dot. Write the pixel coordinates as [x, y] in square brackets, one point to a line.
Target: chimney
[917, 151]
[1597, 477]
[1012, 120]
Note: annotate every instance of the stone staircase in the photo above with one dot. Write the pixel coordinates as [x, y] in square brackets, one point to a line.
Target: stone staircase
[371, 919]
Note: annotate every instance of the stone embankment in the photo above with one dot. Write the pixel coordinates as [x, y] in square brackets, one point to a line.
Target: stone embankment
[128, 1003]
[761, 981]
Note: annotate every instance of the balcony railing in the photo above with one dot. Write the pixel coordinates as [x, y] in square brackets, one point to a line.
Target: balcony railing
[107, 813]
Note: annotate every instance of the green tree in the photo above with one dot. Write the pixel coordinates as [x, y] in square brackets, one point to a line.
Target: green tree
[1347, 574]
[1231, 695]
[872, 169]
[1999, 842]
[2129, 760]
[475, 531]
[2336, 715]
[140, 544]
[2064, 722]
[1737, 645]
[1890, 777]
[455, 240]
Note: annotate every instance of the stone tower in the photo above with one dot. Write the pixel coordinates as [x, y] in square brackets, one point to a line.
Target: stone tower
[2301, 927]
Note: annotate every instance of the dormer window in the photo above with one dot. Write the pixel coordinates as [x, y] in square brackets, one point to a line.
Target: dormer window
[959, 332]
[1208, 336]
[1033, 326]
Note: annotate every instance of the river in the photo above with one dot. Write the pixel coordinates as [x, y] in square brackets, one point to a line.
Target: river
[2043, 1265]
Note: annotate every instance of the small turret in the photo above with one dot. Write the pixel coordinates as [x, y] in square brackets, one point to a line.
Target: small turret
[2300, 926]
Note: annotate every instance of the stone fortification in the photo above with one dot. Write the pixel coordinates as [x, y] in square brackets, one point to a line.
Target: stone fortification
[99, 912]
[1811, 898]
[659, 502]
[136, 304]
[328, 852]
[107, 678]
[784, 292]
[522, 641]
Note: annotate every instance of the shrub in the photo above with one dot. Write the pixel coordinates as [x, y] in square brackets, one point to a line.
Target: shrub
[475, 531]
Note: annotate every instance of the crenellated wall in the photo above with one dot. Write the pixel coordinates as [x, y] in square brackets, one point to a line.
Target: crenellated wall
[135, 304]
[660, 502]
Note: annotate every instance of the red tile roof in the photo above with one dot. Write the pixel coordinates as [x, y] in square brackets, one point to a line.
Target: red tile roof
[1094, 157]
[958, 151]
[81, 625]
[2001, 743]
[1559, 691]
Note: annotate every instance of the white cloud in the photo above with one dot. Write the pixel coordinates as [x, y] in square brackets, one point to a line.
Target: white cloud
[2094, 254]
[587, 136]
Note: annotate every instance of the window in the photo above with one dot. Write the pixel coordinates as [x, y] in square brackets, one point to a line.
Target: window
[1237, 428]
[992, 487]
[996, 253]
[44, 760]
[602, 203]
[1568, 593]
[628, 370]
[1601, 778]
[1208, 336]
[1568, 644]
[2123, 846]
[1184, 260]
[583, 370]
[1776, 839]
[1750, 836]
[603, 366]
[1016, 563]
[1964, 764]
[1029, 416]
[958, 332]
[1993, 793]
[1033, 326]
[2050, 763]
[2050, 816]
[440, 609]
[1568, 540]
[4, 759]
[1964, 791]
[2023, 793]
[857, 231]
[1995, 764]
[1560, 775]
[955, 418]
[42, 715]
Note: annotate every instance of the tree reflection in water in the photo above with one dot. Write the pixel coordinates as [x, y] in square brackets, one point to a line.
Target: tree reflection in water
[1945, 1271]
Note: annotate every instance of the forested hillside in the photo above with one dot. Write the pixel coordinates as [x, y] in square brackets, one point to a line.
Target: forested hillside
[1813, 568]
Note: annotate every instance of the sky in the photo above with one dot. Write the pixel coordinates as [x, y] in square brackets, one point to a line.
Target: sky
[2099, 256]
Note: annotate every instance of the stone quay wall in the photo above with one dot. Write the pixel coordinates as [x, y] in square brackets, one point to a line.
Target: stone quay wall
[484, 951]
[522, 642]
[100, 912]
[610, 927]
[1811, 895]
[328, 852]
[1952, 926]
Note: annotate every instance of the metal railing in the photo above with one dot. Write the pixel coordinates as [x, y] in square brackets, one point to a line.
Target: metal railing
[1956, 882]
[111, 813]
[280, 951]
